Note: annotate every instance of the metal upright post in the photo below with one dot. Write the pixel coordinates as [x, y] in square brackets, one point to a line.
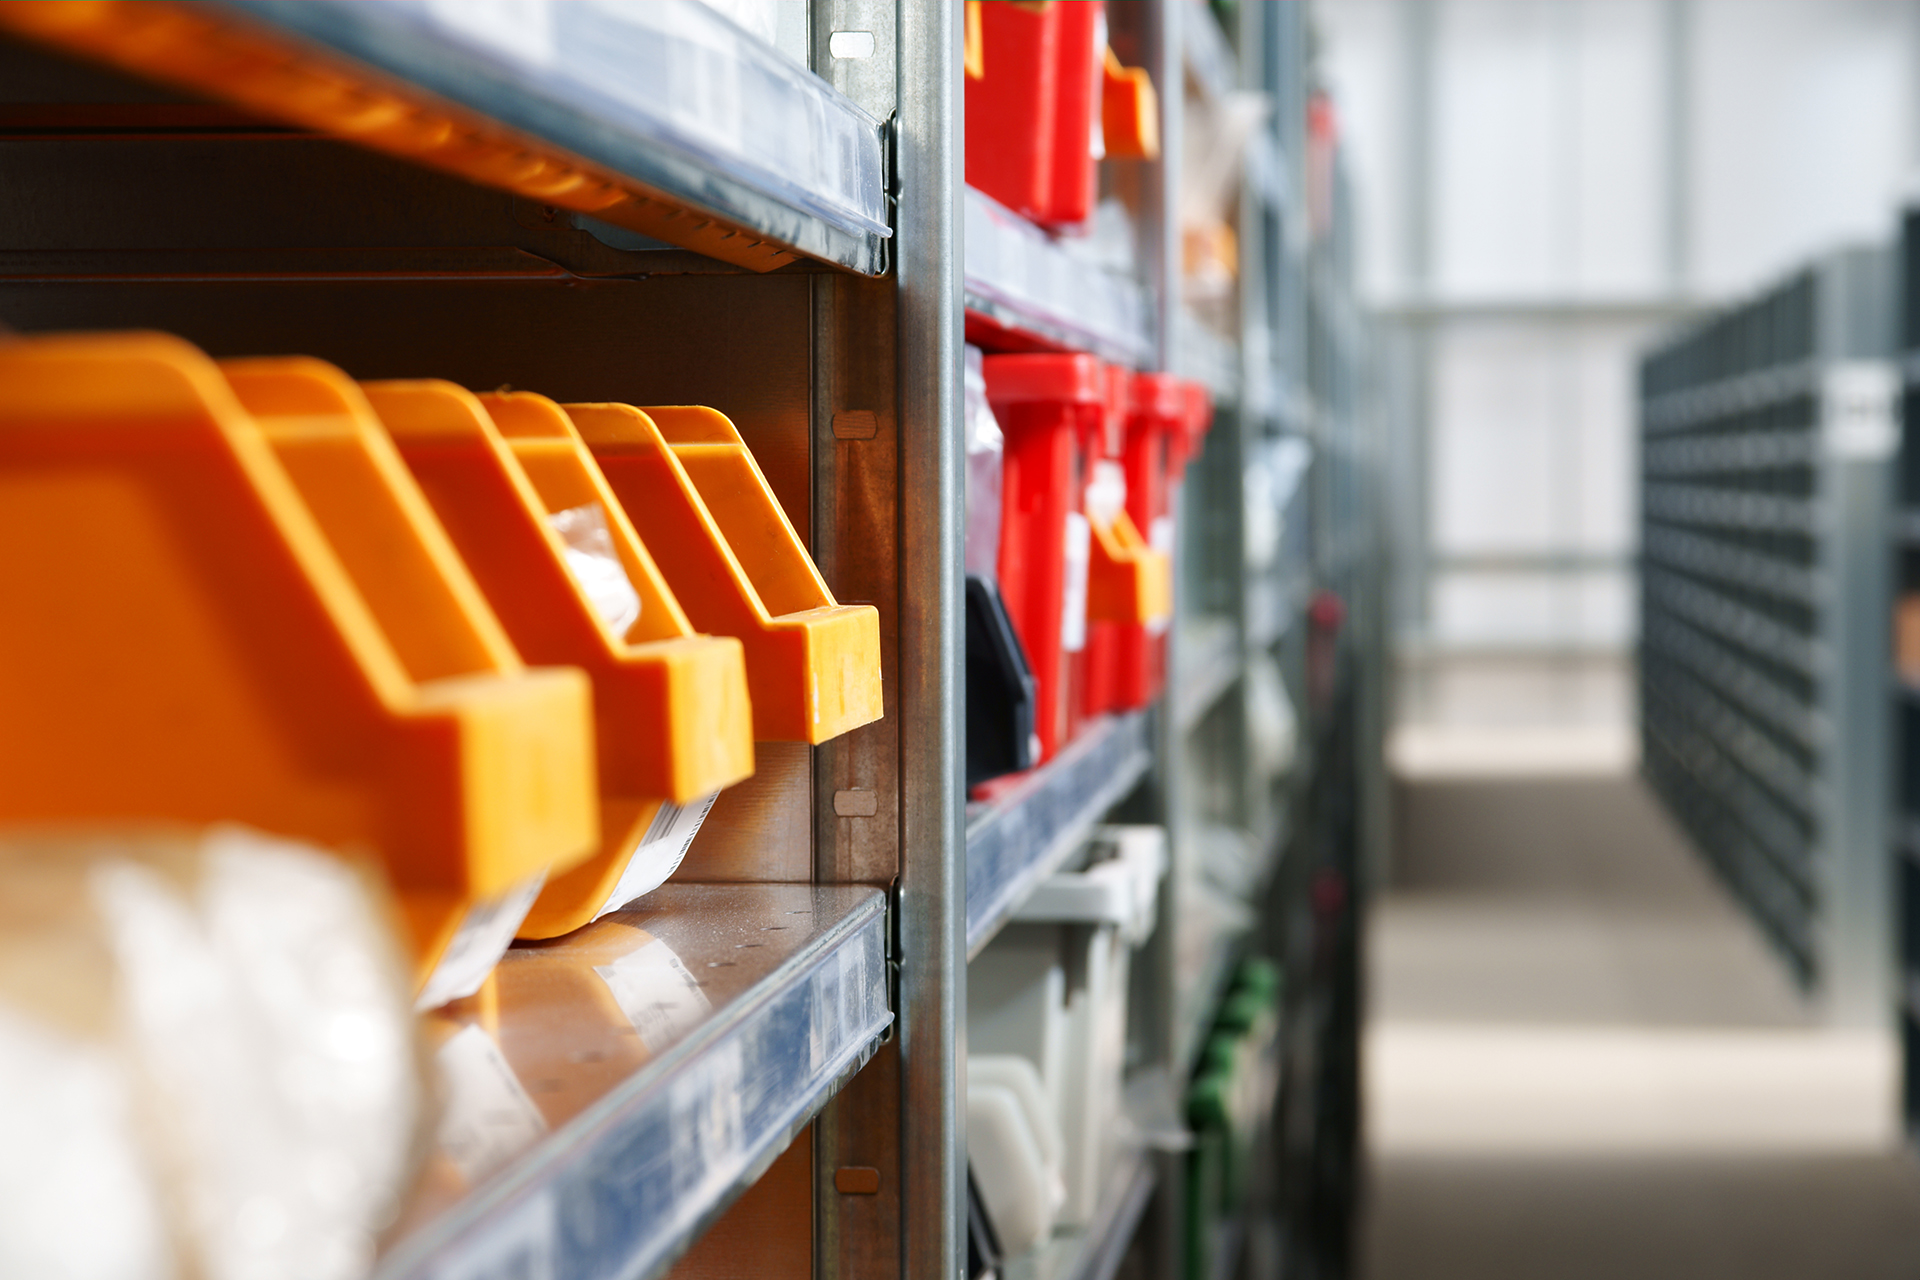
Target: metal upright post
[1858, 433]
[1160, 252]
[932, 911]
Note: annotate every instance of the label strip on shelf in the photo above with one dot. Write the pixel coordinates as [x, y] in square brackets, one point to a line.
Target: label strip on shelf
[1015, 843]
[625, 1184]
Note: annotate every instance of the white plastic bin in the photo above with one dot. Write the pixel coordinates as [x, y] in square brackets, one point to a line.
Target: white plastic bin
[1052, 988]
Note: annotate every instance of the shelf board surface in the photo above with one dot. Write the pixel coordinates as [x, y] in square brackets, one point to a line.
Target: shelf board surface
[1033, 293]
[612, 1090]
[673, 99]
[1095, 1251]
[1022, 837]
[1275, 601]
[1207, 357]
[1208, 663]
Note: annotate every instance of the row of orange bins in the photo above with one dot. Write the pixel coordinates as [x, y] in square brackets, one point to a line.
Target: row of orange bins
[1094, 455]
[510, 649]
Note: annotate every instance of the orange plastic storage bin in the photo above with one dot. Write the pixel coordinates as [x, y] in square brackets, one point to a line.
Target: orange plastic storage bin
[688, 482]
[215, 614]
[670, 707]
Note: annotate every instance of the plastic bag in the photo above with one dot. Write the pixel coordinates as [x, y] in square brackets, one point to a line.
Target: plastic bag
[596, 565]
[208, 1066]
[986, 448]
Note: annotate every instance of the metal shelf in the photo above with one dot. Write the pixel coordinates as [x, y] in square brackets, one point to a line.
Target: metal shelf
[1792, 717]
[1766, 429]
[1726, 509]
[1094, 1252]
[1206, 357]
[1209, 58]
[1021, 838]
[1274, 603]
[1750, 748]
[1730, 620]
[1022, 281]
[674, 1048]
[1695, 406]
[1739, 451]
[1201, 984]
[672, 99]
[1208, 665]
[1711, 558]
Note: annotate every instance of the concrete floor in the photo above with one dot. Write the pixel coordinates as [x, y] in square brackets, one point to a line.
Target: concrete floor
[1582, 1062]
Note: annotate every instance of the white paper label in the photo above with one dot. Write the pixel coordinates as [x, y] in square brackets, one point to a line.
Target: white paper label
[483, 938]
[660, 851]
[1860, 397]
[838, 994]
[515, 1245]
[706, 1106]
[1073, 607]
[489, 1119]
[660, 997]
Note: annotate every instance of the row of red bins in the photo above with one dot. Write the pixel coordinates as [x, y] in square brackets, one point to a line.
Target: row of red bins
[1093, 459]
[1046, 99]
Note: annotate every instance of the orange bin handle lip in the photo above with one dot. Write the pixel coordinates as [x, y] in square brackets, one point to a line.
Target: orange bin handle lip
[524, 415]
[159, 380]
[625, 428]
[272, 388]
[419, 417]
[614, 424]
[806, 653]
[692, 427]
[694, 424]
[425, 410]
[157, 375]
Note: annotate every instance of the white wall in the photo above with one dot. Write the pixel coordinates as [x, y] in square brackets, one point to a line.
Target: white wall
[1547, 183]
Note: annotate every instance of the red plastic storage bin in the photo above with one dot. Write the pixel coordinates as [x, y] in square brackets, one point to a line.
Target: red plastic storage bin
[1050, 409]
[1167, 420]
[1032, 111]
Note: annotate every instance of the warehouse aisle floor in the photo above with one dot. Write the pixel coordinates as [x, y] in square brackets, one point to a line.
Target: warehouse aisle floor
[1581, 1061]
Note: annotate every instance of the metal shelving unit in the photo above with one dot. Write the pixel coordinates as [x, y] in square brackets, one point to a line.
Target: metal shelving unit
[1024, 836]
[777, 231]
[670, 102]
[1904, 551]
[1026, 288]
[820, 1006]
[1096, 1252]
[739, 1010]
[1766, 437]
